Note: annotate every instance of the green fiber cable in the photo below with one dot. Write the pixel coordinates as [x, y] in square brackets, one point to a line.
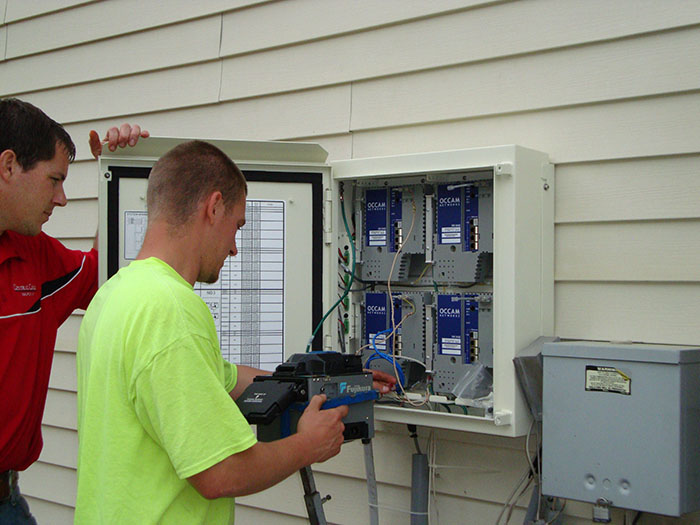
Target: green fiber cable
[349, 283]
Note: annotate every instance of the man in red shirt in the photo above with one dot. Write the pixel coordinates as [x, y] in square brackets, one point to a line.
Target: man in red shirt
[41, 281]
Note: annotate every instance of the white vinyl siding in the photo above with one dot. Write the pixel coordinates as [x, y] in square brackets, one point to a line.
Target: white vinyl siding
[610, 90]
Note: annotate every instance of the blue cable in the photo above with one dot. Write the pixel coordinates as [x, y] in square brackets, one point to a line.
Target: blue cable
[380, 355]
[374, 339]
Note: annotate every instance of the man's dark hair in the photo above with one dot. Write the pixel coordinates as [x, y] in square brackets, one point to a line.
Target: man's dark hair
[188, 173]
[30, 133]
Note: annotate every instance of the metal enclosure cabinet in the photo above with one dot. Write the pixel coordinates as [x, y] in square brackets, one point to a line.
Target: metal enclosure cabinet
[519, 235]
[514, 298]
[620, 422]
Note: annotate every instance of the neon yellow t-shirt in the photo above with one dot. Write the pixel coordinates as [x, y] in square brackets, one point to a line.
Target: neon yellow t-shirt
[153, 402]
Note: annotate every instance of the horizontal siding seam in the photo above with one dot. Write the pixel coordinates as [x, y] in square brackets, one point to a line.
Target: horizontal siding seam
[377, 77]
[407, 510]
[224, 12]
[538, 51]
[271, 94]
[240, 504]
[74, 429]
[131, 75]
[110, 37]
[407, 486]
[53, 464]
[51, 425]
[48, 501]
[50, 12]
[452, 65]
[367, 29]
[374, 78]
[592, 161]
[76, 238]
[542, 109]
[567, 222]
[73, 238]
[139, 114]
[636, 283]
[668, 156]
[65, 350]
[82, 199]
[641, 282]
[59, 389]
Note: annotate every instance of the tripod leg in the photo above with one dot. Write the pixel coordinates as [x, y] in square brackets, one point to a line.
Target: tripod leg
[312, 499]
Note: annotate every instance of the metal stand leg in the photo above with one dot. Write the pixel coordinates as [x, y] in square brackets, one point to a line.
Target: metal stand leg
[312, 499]
[371, 483]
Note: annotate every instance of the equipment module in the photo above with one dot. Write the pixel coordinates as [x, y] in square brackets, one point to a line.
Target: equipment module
[275, 402]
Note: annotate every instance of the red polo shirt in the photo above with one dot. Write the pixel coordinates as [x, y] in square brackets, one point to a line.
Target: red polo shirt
[41, 283]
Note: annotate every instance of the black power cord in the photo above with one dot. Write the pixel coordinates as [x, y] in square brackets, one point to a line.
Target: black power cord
[413, 433]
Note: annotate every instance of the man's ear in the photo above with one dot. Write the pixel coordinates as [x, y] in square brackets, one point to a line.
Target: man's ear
[8, 164]
[214, 207]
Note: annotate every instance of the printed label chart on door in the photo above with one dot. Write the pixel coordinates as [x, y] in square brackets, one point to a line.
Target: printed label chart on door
[247, 302]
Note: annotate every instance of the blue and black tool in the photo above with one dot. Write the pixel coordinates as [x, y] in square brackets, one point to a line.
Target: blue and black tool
[274, 403]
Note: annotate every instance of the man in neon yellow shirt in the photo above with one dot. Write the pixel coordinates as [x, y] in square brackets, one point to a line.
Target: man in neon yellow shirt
[161, 439]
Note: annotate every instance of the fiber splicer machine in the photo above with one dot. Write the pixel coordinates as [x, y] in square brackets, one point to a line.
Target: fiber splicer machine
[275, 403]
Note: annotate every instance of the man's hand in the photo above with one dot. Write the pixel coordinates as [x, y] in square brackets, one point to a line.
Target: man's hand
[322, 429]
[383, 382]
[121, 136]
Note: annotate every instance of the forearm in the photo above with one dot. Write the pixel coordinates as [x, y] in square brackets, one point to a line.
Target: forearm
[253, 470]
[319, 437]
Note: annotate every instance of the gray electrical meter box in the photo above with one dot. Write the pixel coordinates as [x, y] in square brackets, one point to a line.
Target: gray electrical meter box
[621, 422]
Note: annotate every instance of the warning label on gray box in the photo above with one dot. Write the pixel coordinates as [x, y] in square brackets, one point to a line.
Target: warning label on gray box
[607, 379]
